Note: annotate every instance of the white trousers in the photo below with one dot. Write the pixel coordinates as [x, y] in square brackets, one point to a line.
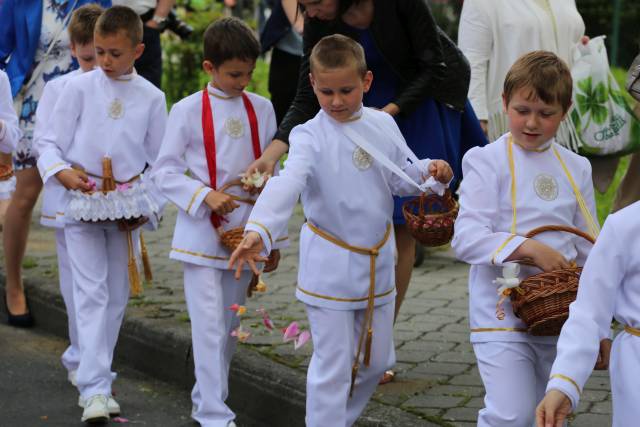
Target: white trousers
[98, 255]
[515, 376]
[71, 357]
[624, 370]
[209, 293]
[335, 339]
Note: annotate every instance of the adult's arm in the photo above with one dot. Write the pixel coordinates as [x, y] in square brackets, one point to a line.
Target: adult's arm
[475, 39]
[163, 8]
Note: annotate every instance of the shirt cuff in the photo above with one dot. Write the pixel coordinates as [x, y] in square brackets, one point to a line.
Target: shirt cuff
[264, 233]
[567, 386]
[3, 130]
[197, 208]
[53, 170]
[506, 249]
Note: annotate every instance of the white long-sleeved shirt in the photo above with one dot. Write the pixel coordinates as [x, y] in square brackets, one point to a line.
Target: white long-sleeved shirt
[609, 287]
[84, 128]
[9, 130]
[483, 235]
[194, 239]
[493, 34]
[352, 204]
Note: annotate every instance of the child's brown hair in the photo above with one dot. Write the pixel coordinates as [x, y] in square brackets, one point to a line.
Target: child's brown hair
[337, 51]
[547, 76]
[230, 38]
[120, 18]
[83, 22]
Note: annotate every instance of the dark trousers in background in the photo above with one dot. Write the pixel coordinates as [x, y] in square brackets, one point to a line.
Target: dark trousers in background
[149, 65]
[283, 80]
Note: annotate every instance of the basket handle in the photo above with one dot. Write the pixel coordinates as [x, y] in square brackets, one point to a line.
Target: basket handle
[446, 197]
[571, 230]
[236, 183]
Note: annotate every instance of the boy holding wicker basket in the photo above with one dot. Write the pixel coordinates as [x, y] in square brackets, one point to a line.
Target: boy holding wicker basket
[345, 164]
[215, 134]
[517, 184]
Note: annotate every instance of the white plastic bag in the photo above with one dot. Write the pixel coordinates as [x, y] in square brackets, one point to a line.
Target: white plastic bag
[602, 117]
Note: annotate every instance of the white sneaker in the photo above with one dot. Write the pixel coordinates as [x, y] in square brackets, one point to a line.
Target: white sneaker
[112, 405]
[71, 376]
[95, 409]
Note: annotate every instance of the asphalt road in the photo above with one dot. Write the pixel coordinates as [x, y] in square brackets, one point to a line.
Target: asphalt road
[34, 390]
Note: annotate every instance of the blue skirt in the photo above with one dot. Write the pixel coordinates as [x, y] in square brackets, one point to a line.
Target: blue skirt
[436, 131]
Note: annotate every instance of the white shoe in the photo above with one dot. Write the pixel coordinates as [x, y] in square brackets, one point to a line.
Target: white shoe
[71, 376]
[95, 409]
[112, 405]
[231, 424]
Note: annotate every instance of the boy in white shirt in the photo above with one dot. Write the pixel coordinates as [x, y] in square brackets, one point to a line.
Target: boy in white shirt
[9, 133]
[346, 163]
[214, 134]
[80, 30]
[108, 124]
[522, 181]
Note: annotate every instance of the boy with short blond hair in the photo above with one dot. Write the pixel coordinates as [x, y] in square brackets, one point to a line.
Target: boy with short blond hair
[80, 28]
[108, 124]
[522, 181]
[345, 163]
[214, 134]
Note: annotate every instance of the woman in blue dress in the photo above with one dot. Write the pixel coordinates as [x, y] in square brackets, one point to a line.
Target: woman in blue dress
[420, 77]
[34, 48]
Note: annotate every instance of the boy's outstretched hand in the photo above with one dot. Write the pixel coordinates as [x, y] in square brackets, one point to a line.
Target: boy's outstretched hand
[553, 409]
[441, 171]
[248, 251]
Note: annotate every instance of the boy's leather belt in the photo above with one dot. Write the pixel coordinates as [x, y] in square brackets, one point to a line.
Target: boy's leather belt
[367, 328]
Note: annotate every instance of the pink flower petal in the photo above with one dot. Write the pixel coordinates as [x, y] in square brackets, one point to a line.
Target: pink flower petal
[266, 320]
[291, 332]
[120, 420]
[234, 307]
[241, 334]
[302, 339]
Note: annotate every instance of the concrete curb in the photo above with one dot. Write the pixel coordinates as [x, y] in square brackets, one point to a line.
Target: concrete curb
[266, 391]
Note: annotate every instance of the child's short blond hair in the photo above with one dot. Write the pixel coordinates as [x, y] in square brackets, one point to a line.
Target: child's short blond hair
[547, 76]
[337, 51]
[120, 18]
[83, 22]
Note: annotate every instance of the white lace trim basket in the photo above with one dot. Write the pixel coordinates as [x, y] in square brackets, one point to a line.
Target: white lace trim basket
[122, 203]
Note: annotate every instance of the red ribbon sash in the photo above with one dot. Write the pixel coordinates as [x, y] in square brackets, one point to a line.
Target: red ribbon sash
[209, 138]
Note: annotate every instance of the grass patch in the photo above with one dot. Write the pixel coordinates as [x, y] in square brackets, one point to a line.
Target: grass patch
[604, 201]
[29, 262]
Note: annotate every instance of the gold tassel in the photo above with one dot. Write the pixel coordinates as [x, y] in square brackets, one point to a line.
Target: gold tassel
[367, 348]
[134, 277]
[354, 374]
[146, 264]
[108, 183]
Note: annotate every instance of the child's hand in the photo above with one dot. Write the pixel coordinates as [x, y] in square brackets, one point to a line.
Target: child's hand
[73, 179]
[273, 261]
[553, 409]
[440, 170]
[248, 251]
[602, 364]
[545, 257]
[220, 203]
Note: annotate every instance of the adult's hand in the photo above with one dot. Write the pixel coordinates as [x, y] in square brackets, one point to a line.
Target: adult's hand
[391, 109]
[484, 125]
[266, 163]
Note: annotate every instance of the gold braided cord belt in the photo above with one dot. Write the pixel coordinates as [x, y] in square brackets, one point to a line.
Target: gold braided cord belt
[632, 331]
[367, 328]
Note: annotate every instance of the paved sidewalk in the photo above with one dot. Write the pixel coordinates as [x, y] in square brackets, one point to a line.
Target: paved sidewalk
[437, 381]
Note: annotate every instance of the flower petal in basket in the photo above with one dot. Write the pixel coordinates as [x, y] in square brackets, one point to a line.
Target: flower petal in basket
[430, 218]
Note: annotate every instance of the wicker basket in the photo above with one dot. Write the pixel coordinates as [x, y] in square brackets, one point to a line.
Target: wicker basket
[231, 238]
[6, 172]
[430, 218]
[544, 303]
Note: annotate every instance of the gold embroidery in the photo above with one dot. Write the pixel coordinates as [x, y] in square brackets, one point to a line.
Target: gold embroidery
[566, 378]
[313, 294]
[501, 247]
[193, 198]
[266, 230]
[54, 166]
[498, 330]
[201, 255]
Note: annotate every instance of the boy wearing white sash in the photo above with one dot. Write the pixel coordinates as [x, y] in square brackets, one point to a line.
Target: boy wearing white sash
[9, 132]
[522, 181]
[609, 287]
[346, 163]
[80, 29]
[108, 124]
[214, 134]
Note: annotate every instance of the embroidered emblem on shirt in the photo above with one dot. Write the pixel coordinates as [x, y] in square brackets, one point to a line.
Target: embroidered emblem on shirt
[361, 159]
[234, 127]
[546, 187]
[116, 109]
